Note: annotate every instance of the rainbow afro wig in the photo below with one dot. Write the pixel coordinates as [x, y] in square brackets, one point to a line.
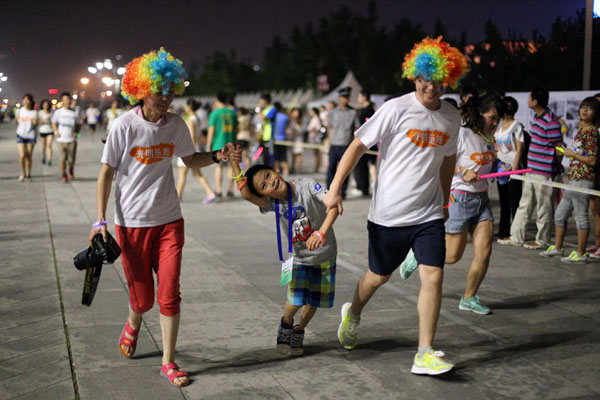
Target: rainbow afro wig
[154, 72]
[435, 60]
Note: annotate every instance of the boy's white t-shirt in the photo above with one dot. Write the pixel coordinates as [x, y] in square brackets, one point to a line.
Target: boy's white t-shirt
[91, 115]
[141, 152]
[414, 142]
[25, 129]
[506, 141]
[65, 119]
[476, 154]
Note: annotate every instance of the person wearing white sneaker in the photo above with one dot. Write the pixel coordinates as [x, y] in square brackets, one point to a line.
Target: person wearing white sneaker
[418, 134]
[582, 174]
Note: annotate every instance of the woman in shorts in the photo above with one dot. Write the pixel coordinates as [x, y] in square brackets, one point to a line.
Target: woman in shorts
[45, 130]
[26, 120]
[469, 208]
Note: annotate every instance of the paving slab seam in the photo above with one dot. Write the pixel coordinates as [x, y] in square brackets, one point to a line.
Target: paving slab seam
[28, 338]
[26, 323]
[280, 385]
[39, 389]
[60, 297]
[35, 369]
[22, 301]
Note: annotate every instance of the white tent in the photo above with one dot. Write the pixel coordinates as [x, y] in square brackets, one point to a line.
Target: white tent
[349, 80]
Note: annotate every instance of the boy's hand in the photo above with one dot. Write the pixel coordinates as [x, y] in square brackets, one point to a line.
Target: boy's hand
[313, 242]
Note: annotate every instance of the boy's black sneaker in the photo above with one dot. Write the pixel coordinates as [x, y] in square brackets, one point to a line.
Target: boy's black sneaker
[284, 337]
[297, 344]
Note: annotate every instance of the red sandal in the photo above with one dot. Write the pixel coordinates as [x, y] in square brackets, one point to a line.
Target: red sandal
[173, 375]
[125, 341]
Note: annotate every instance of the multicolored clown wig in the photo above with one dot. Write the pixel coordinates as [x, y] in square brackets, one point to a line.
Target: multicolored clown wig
[435, 60]
[154, 72]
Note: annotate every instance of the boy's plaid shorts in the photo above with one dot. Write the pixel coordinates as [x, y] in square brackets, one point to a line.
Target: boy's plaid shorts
[313, 285]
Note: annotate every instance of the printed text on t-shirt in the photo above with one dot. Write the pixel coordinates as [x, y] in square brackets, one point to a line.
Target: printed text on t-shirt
[427, 138]
[150, 155]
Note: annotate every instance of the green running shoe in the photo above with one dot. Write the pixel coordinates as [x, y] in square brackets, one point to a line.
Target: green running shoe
[473, 304]
[431, 363]
[409, 265]
[575, 258]
[348, 328]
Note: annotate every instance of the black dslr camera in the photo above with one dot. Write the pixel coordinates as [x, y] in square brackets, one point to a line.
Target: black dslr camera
[91, 260]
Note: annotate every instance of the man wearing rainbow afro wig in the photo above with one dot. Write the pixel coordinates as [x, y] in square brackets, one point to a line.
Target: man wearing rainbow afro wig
[149, 227]
[418, 137]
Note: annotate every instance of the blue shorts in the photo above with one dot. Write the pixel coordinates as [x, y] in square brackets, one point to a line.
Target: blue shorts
[467, 210]
[388, 246]
[312, 285]
[26, 141]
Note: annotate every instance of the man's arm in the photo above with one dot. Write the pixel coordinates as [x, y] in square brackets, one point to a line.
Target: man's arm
[446, 174]
[103, 187]
[353, 153]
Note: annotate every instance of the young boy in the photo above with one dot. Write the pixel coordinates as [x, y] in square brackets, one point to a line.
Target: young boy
[312, 283]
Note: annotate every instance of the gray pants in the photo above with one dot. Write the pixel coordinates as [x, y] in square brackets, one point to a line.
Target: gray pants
[579, 202]
[539, 196]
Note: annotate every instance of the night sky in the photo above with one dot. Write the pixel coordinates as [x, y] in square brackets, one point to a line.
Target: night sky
[47, 44]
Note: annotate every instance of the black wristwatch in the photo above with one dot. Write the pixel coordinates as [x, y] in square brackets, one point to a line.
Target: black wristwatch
[214, 156]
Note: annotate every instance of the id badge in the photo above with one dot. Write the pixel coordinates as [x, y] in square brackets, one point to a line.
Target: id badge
[286, 271]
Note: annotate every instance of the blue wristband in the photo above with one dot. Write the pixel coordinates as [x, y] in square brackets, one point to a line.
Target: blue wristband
[98, 224]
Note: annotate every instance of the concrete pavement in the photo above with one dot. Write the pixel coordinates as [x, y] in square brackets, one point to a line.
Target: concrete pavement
[541, 342]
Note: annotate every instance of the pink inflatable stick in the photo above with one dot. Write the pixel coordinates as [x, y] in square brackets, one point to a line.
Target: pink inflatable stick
[497, 174]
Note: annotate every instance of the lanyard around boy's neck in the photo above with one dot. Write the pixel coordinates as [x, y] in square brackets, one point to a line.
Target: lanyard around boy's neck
[290, 222]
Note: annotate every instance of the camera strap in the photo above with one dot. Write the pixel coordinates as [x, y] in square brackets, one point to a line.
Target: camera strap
[90, 284]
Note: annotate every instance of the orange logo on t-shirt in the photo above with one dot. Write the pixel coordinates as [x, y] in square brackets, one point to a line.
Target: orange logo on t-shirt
[427, 138]
[482, 158]
[150, 155]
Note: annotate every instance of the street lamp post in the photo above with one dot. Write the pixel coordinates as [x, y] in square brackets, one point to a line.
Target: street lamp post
[109, 76]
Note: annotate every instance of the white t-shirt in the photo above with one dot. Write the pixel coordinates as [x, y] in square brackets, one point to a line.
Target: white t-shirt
[44, 125]
[26, 129]
[476, 154]
[506, 141]
[202, 118]
[111, 115]
[65, 119]
[414, 142]
[141, 152]
[91, 115]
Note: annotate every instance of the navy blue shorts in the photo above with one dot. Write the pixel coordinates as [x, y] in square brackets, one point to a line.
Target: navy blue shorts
[388, 246]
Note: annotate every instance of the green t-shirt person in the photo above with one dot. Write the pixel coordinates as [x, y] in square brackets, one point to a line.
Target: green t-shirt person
[225, 123]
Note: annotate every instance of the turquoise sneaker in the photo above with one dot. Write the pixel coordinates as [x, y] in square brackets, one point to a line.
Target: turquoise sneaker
[431, 363]
[409, 265]
[473, 304]
[348, 328]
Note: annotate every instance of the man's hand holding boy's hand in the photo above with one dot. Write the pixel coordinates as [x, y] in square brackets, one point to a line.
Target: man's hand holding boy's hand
[232, 152]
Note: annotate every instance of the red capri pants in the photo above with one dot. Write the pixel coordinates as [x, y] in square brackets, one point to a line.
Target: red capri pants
[157, 249]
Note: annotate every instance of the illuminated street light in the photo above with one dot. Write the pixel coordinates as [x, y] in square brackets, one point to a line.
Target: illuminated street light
[108, 81]
[54, 101]
[5, 101]
[75, 96]
[186, 83]
[85, 80]
[4, 78]
[99, 65]
[109, 93]
[92, 70]
[108, 64]
[120, 70]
